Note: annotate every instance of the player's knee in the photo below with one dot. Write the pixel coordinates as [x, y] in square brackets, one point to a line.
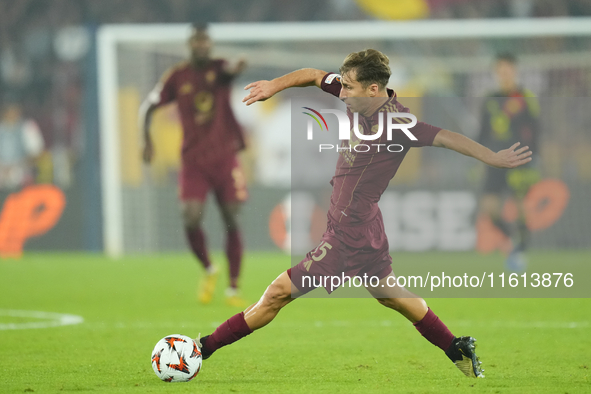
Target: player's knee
[192, 222]
[192, 218]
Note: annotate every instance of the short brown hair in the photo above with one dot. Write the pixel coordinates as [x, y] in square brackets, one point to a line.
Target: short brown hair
[370, 65]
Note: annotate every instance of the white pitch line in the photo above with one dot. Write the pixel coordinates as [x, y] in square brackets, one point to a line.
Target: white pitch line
[49, 319]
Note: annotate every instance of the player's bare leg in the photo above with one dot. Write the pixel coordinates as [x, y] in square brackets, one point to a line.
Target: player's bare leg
[230, 213]
[400, 299]
[192, 217]
[459, 350]
[279, 293]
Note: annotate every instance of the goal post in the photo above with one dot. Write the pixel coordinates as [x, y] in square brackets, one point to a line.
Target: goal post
[460, 46]
[108, 37]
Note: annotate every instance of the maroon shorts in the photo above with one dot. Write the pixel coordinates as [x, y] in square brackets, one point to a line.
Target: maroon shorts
[345, 250]
[224, 177]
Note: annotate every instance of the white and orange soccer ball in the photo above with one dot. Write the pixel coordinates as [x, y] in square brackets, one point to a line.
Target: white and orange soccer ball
[176, 358]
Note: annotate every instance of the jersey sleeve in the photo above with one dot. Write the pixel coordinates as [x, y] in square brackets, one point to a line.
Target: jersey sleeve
[425, 134]
[164, 92]
[331, 83]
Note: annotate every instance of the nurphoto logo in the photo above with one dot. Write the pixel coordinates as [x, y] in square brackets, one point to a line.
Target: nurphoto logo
[394, 121]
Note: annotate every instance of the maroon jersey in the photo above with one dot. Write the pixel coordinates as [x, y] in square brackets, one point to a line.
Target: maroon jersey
[361, 177]
[210, 130]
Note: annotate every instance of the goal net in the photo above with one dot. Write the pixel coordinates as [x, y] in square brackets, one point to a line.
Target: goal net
[448, 63]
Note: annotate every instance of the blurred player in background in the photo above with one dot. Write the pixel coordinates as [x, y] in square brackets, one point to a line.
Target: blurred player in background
[21, 143]
[509, 114]
[211, 140]
[355, 241]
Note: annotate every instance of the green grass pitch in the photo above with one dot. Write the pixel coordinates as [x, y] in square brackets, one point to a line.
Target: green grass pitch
[314, 345]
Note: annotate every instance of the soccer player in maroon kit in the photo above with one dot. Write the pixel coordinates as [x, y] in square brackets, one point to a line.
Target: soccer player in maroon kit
[211, 140]
[355, 242]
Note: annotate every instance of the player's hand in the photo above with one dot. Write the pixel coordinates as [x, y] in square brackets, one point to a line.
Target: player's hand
[512, 157]
[148, 153]
[259, 91]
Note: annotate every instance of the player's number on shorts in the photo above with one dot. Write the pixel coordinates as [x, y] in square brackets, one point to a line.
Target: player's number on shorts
[323, 246]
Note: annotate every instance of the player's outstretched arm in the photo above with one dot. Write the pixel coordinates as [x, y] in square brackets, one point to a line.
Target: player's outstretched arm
[506, 158]
[262, 90]
[146, 110]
